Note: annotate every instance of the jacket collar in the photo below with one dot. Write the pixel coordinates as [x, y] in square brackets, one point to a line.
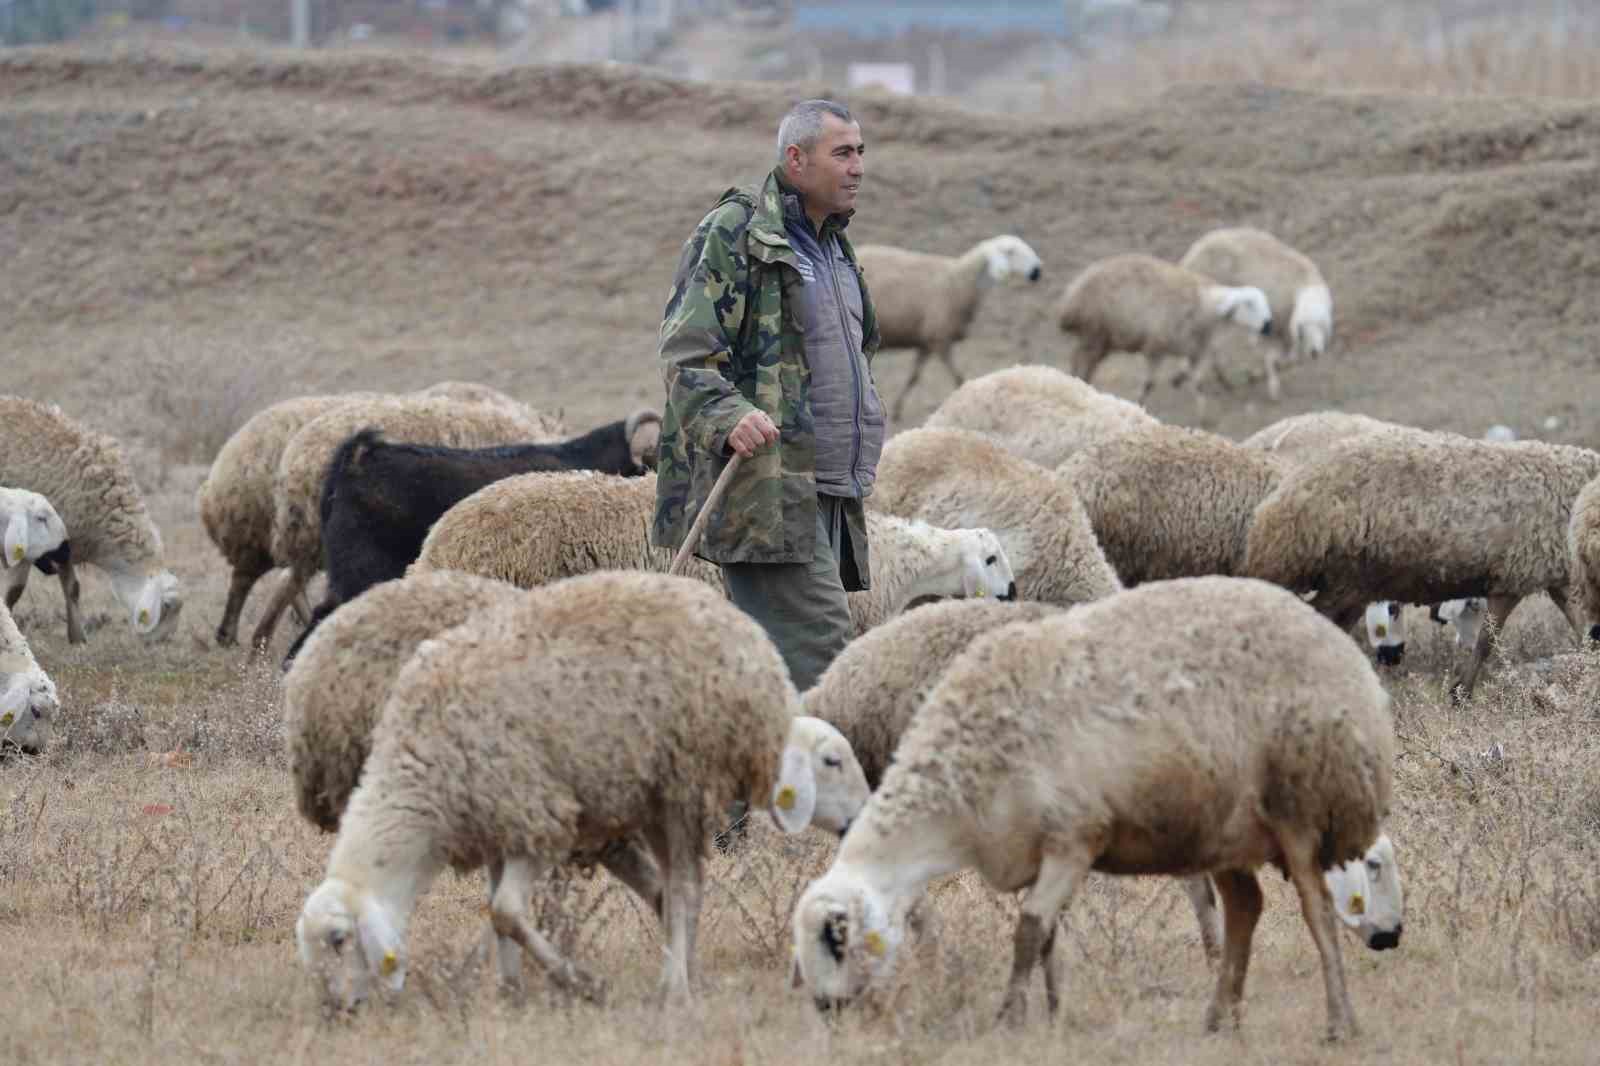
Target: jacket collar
[781, 200]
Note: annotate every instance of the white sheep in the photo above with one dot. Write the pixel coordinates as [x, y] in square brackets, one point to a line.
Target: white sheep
[927, 302]
[86, 477]
[1583, 549]
[235, 500]
[30, 528]
[1040, 413]
[1137, 303]
[1205, 725]
[28, 702]
[954, 477]
[587, 521]
[1167, 501]
[297, 483]
[1423, 518]
[607, 706]
[1294, 287]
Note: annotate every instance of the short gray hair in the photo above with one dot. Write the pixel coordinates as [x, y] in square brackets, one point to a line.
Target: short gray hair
[803, 124]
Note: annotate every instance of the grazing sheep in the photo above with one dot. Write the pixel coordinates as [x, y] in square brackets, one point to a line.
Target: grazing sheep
[1042, 414]
[954, 477]
[1137, 303]
[86, 477]
[1205, 725]
[1583, 548]
[927, 301]
[297, 485]
[235, 500]
[1294, 287]
[608, 706]
[1423, 518]
[1166, 501]
[31, 532]
[28, 702]
[379, 498]
[589, 522]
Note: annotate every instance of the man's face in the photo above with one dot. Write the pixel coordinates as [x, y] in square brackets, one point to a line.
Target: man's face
[829, 176]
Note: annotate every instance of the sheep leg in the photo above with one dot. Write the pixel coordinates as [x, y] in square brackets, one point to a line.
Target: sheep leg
[1270, 362]
[16, 581]
[911, 383]
[1149, 383]
[1204, 902]
[509, 913]
[507, 953]
[301, 608]
[1241, 903]
[1058, 880]
[239, 585]
[1564, 602]
[1498, 610]
[944, 357]
[1317, 910]
[292, 585]
[677, 853]
[1089, 354]
[70, 592]
[635, 867]
[1049, 962]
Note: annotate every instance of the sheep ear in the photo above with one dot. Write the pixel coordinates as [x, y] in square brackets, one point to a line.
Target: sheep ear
[16, 539]
[381, 944]
[794, 797]
[1347, 885]
[147, 612]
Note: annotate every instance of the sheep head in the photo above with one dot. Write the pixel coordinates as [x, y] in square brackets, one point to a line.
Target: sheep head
[844, 941]
[985, 569]
[348, 939]
[32, 529]
[1007, 257]
[1368, 897]
[821, 782]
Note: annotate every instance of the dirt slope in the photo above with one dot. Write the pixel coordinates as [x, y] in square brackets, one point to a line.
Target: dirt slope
[269, 223]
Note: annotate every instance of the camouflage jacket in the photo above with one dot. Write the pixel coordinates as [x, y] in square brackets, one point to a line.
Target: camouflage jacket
[731, 343]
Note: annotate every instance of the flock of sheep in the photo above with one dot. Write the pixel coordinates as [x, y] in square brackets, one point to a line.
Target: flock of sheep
[1142, 664]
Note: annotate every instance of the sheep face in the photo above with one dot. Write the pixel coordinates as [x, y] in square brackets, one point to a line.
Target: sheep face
[33, 529]
[1386, 631]
[1368, 897]
[985, 570]
[1010, 257]
[1247, 306]
[643, 430]
[153, 602]
[821, 782]
[349, 942]
[843, 940]
[28, 706]
[1466, 616]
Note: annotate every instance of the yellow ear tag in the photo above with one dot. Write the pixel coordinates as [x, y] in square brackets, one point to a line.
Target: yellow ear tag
[389, 965]
[786, 798]
[1357, 904]
[16, 553]
[1381, 629]
[981, 593]
[144, 618]
[875, 945]
[7, 718]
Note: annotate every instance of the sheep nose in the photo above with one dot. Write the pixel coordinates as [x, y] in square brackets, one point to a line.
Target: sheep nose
[1266, 328]
[1594, 631]
[1389, 938]
[1391, 654]
[1033, 275]
[1011, 594]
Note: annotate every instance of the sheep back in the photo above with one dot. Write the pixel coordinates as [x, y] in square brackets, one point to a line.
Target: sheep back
[920, 298]
[1167, 501]
[1247, 256]
[1583, 547]
[870, 691]
[1040, 413]
[1298, 438]
[339, 681]
[573, 716]
[960, 479]
[1180, 713]
[1138, 303]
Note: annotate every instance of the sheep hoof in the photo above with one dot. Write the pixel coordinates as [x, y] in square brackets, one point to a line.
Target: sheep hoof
[584, 985]
[1014, 1012]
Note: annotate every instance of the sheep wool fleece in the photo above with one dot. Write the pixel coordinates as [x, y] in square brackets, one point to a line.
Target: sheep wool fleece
[731, 343]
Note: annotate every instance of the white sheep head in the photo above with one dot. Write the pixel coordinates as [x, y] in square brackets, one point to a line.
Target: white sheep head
[1009, 257]
[1368, 897]
[1386, 631]
[1311, 324]
[32, 528]
[845, 939]
[820, 781]
[153, 600]
[985, 569]
[28, 706]
[1247, 306]
[350, 940]
[1465, 616]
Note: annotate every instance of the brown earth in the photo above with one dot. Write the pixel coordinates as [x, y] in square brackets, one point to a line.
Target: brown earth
[190, 235]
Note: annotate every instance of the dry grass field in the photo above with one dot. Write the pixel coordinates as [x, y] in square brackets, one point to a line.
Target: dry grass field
[191, 235]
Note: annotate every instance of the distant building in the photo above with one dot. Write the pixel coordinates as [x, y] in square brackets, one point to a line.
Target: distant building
[887, 18]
